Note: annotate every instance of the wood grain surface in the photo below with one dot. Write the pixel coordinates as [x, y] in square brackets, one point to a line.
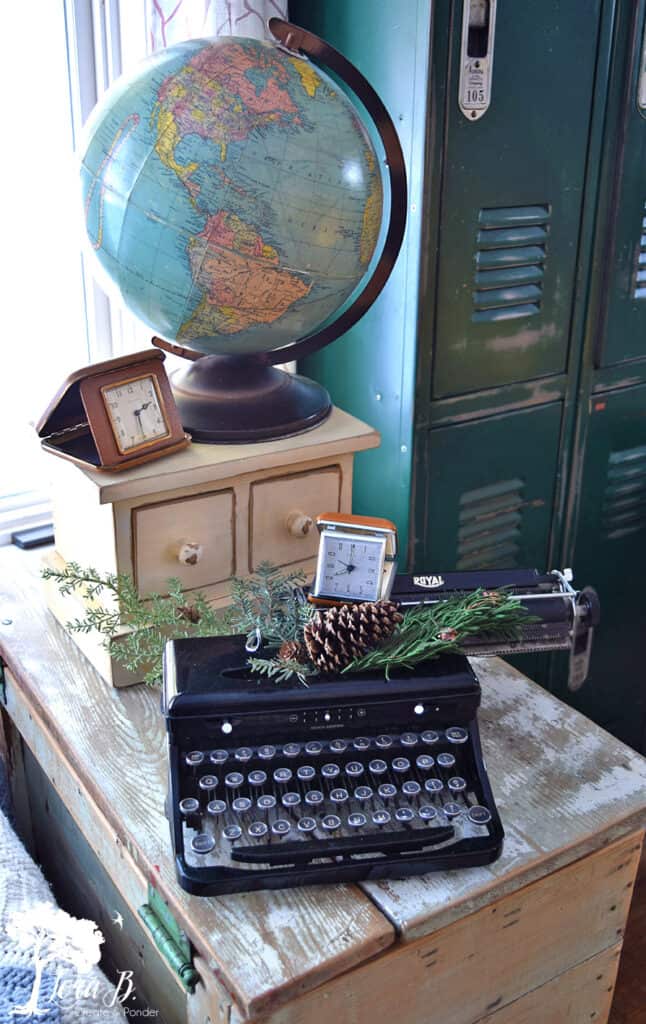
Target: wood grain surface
[563, 787]
[489, 960]
[263, 947]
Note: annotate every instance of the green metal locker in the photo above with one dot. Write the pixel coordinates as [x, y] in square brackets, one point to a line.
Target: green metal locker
[503, 363]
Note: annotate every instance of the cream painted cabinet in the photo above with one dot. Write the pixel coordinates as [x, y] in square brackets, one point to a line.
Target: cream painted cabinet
[204, 515]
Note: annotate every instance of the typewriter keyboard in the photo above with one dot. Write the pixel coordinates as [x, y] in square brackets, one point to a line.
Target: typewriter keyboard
[256, 805]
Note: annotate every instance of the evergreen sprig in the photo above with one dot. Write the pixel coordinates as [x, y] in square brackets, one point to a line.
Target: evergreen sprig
[271, 602]
[282, 669]
[135, 630]
[427, 631]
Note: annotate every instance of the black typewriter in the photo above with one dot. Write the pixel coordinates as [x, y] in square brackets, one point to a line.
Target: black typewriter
[282, 785]
[276, 785]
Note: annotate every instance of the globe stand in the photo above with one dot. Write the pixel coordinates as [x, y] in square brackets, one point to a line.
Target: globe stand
[242, 399]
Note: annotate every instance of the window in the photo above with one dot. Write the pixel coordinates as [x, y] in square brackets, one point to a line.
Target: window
[55, 318]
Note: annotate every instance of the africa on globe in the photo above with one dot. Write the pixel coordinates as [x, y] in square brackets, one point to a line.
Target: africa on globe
[231, 194]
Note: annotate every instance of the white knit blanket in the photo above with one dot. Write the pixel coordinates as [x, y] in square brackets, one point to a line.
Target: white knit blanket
[48, 959]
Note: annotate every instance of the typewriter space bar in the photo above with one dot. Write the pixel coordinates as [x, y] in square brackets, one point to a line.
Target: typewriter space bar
[312, 849]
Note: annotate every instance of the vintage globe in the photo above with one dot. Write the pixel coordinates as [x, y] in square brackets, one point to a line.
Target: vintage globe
[232, 195]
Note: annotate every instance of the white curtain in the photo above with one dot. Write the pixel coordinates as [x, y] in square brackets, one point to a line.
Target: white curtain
[171, 21]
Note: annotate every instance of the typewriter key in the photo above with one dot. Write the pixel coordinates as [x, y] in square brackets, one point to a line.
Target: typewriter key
[257, 777]
[339, 746]
[330, 771]
[189, 805]
[202, 844]
[361, 743]
[339, 796]
[387, 791]
[243, 754]
[194, 758]
[363, 793]
[411, 788]
[218, 756]
[404, 814]
[433, 785]
[266, 752]
[456, 734]
[479, 815]
[409, 739]
[354, 769]
[306, 824]
[330, 822]
[232, 832]
[241, 804]
[452, 809]
[233, 780]
[357, 820]
[292, 749]
[282, 775]
[381, 818]
[401, 764]
[384, 741]
[257, 829]
[280, 827]
[377, 766]
[314, 797]
[427, 812]
[429, 736]
[208, 782]
[445, 760]
[425, 762]
[305, 772]
[265, 803]
[313, 747]
[290, 799]
[457, 784]
[216, 807]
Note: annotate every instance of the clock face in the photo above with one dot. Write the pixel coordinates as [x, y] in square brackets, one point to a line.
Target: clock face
[135, 411]
[350, 566]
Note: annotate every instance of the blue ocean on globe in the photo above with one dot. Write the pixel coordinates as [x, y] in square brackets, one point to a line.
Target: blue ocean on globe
[231, 194]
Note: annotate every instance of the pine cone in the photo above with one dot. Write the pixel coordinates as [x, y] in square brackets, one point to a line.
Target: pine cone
[337, 636]
[293, 650]
[190, 613]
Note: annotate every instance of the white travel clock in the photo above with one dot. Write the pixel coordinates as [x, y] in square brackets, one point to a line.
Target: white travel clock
[357, 559]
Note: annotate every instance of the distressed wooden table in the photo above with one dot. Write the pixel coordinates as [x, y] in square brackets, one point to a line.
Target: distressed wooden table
[534, 938]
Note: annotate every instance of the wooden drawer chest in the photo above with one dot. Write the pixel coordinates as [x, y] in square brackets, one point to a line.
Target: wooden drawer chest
[203, 515]
[534, 938]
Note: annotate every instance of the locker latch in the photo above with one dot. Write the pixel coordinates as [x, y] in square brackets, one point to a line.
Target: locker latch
[476, 57]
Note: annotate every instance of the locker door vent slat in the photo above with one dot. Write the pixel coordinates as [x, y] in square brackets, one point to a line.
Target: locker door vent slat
[511, 249]
[624, 499]
[640, 271]
[490, 521]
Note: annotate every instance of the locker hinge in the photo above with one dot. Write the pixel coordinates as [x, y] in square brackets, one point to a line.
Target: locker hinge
[169, 938]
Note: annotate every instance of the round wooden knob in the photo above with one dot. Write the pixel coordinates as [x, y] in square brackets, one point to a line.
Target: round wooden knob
[299, 524]
[189, 552]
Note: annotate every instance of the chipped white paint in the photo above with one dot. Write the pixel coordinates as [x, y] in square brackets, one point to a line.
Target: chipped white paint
[264, 945]
[563, 786]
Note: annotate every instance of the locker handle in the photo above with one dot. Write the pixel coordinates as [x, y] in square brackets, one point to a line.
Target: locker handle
[476, 53]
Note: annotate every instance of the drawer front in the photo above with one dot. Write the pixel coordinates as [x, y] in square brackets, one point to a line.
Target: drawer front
[279, 510]
[191, 538]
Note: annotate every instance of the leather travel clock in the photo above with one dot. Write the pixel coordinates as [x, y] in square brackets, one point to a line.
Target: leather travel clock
[114, 414]
[357, 559]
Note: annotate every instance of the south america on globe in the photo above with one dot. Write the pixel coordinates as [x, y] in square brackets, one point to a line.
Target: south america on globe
[231, 194]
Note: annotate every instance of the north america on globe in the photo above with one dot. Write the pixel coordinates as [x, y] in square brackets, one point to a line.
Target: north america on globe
[231, 194]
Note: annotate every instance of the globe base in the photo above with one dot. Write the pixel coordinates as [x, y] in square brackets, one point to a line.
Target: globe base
[243, 399]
